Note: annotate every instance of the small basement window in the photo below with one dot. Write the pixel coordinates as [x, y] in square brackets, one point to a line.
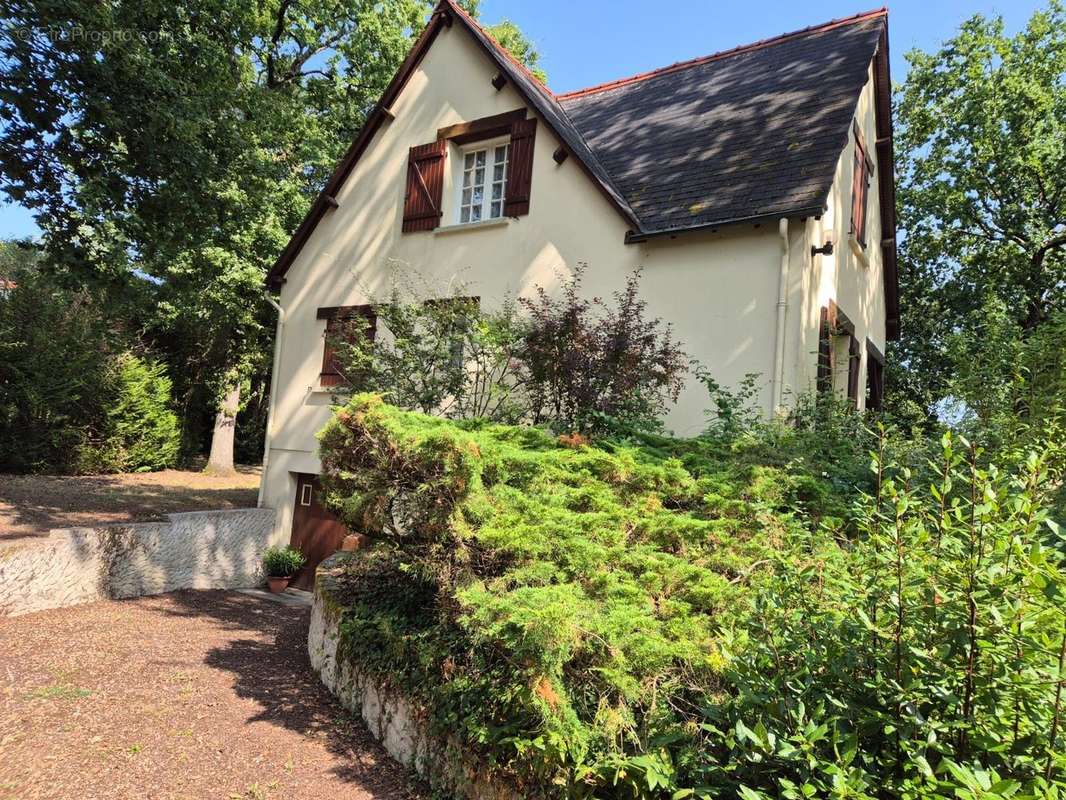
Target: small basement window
[483, 181]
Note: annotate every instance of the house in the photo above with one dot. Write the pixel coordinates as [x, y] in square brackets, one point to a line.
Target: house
[754, 187]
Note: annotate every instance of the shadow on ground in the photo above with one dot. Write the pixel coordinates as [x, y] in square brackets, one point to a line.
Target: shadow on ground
[276, 673]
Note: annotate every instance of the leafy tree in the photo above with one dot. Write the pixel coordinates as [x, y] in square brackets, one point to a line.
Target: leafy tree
[170, 149]
[54, 353]
[981, 139]
[510, 36]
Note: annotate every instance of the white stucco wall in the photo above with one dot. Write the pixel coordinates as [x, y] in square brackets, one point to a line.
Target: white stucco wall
[719, 290]
[851, 276]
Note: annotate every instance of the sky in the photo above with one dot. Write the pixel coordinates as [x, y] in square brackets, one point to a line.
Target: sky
[585, 42]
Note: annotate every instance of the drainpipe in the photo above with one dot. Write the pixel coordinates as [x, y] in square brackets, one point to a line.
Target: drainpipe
[782, 304]
[279, 330]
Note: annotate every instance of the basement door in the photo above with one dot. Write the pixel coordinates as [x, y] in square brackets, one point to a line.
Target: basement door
[315, 531]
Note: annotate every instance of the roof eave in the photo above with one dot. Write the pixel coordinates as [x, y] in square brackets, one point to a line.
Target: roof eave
[755, 219]
[887, 184]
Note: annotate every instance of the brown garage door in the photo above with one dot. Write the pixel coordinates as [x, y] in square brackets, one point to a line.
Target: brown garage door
[315, 531]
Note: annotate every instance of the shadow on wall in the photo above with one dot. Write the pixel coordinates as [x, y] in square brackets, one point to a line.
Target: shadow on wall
[276, 675]
[198, 550]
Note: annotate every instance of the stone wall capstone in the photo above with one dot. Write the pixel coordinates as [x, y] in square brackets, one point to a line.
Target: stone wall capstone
[197, 550]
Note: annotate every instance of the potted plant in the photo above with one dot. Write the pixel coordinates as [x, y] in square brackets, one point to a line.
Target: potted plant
[280, 564]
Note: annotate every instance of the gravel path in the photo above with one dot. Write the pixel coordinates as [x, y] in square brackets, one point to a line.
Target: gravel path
[186, 695]
[31, 504]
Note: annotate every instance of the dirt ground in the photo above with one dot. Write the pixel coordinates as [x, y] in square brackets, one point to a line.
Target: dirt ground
[188, 695]
[31, 504]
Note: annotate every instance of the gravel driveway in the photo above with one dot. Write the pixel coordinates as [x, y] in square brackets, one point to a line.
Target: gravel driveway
[186, 695]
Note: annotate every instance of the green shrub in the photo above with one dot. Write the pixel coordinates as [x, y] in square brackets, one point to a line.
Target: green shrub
[72, 398]
[448, 357]
[922, 659]
[55, 347]
[282, 562]
[657, 618]
[569, 363]
[143, 433]
[551, 601]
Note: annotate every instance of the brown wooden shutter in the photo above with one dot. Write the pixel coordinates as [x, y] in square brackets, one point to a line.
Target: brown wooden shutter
[335, 318]
[825, 353]
[854, 360]
[860, 183]
[425, 186]
[520, 168]
[875, 378]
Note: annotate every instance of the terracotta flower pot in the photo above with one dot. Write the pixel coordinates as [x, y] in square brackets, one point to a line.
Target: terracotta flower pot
[277, 585]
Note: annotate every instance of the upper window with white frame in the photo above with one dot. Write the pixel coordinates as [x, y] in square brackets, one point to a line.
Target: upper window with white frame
[482, 180]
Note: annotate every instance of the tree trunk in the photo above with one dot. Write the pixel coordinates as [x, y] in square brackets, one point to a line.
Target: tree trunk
[221, 459]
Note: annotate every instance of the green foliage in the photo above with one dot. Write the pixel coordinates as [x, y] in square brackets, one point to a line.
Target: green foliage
[446, 357]
[735, 411]
[142, 428]
[72, 399]
[184, 142]
[511, 38]
[569, 363]
[922, 659]
[54, 354]
[1006, 384]
[660, 618]
[562, 608]
[981, 157]
[282, 562]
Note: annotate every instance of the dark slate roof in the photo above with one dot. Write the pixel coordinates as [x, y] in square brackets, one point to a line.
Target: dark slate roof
[744, 134]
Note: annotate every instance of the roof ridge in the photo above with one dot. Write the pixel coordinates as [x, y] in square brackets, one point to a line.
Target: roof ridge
[744, 48]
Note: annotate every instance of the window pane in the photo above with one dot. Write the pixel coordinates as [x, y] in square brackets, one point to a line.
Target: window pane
[498, 172]
[497, 191]
[468, 162]
[475, 213]
[495, 211]
[480, 157]
[466, 197]
[464, 215]
[479, 195]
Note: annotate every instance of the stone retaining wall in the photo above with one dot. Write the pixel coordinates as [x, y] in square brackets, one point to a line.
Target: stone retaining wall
[199, 550]
[395, 721]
